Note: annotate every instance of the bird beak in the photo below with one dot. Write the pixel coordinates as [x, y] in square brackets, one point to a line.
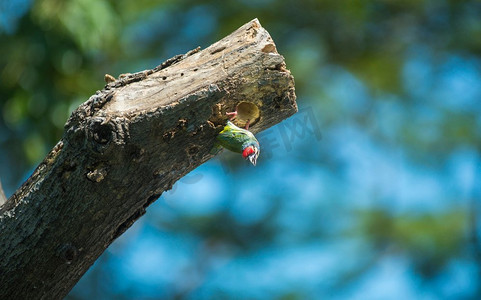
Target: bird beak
[253, 159]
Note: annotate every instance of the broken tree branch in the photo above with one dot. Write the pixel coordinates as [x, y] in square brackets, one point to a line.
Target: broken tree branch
[126, 145]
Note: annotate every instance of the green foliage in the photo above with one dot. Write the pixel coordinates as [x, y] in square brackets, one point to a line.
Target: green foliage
[430, 240]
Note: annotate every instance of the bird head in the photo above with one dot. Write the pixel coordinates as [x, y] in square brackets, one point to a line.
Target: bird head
[251, 152]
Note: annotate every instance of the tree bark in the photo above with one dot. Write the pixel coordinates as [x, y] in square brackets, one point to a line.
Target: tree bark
[126, 145]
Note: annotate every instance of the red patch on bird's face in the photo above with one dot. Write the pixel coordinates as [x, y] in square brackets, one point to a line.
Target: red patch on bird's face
[248, 151]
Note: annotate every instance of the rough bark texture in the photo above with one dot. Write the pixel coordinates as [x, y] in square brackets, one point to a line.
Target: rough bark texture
[126, 145]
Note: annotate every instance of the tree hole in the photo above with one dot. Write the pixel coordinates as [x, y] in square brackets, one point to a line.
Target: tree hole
[247, 111]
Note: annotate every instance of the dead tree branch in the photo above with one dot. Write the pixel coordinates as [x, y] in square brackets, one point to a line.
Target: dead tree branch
[123, 148]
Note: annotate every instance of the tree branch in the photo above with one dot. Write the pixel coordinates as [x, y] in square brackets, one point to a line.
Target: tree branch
[123, 148]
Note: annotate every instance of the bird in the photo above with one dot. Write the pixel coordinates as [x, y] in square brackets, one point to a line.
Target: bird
[239, 140]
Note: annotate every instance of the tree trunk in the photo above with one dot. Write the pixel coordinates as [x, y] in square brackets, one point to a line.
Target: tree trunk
[126, 145]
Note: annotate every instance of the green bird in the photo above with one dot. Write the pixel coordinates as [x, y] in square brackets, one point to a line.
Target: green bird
[239, 140]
